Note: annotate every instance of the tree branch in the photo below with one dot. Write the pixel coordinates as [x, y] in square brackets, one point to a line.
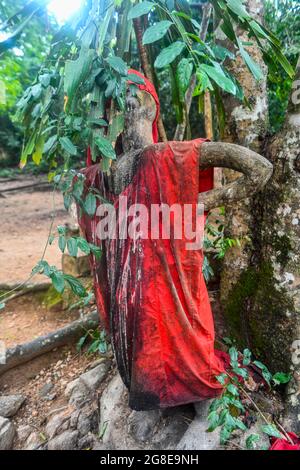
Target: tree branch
[180, 129]
[147, 68]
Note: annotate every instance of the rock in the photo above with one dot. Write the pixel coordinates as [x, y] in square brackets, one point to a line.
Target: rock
[110, 407]
[80, 394]
[86, 442]
[33, 442]
[7, 434]
[84, 424]
[80, 390]
[58, 423]
[102, 446]
[196, 437]
[93, 378]
[10, 404]
[46, 389]
[65, 441]
[23, 432]
[142, 424]
[70, 387]
[170, 431]
[50, 397]
[77, 267]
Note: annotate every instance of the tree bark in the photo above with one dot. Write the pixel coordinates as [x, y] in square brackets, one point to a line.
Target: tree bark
[275, 306]
[147, 69]
[246, 127]
[261, 280]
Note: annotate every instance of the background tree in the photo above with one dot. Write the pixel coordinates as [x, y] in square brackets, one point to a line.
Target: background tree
[20, 62]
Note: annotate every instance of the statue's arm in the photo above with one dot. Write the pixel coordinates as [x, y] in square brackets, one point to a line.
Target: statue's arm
[256, 172]
[123, 170]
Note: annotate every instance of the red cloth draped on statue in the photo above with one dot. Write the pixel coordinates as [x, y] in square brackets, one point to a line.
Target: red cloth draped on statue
[151, 294]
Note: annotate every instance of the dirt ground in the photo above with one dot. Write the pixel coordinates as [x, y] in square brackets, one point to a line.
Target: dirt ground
[25, 221]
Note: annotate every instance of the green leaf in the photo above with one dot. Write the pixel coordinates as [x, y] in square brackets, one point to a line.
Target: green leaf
[265, 371]
[233, 353]
[105, 147]
[75, 285]
[72, 246]
[49, 144]
[38, 151]
[156, 32]
[116, 127]
[83, 245]
[77, 189]
[251, 441]
[221, 52]
[62, 243]
[241, 372]
[96, 250]
[67, 145]
[90, 204]
[139, 10]
[246, 357]
[118, 65]
[281, 378]
[252, 66]
[67, 200]
[58, 282]
[132, 77]
[81, 342]
[221, 378]
[271, 430]
[76, 72]
[219, 78]
[225, 435]
[183, 76]
[213, 419]
[28, 149]
[2, 305]
[237, 7]
[169, 54]
[233, 390]
[98, 122]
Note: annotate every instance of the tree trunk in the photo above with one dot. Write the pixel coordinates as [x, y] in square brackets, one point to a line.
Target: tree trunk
[245, 127]
[274, 319]
[261, 280]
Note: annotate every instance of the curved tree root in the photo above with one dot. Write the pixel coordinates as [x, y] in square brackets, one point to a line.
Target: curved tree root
[25, 352]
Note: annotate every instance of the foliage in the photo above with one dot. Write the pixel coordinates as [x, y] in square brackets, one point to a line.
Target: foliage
[86, 68]
[282, 17]
[228, 411]
[99, 342]
[19, 66]
[215, 240]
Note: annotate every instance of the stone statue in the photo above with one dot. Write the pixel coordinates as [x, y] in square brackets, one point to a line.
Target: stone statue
[151, 292]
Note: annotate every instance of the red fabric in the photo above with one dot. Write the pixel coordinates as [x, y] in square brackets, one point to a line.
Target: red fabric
[89, 161]
[151, 293]
[283, 444]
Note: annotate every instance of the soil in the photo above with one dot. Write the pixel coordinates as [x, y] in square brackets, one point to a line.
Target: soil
[26, 318]
[25, 222]
[26, 217]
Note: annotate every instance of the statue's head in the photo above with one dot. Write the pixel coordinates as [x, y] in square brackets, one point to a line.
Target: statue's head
[141, 114]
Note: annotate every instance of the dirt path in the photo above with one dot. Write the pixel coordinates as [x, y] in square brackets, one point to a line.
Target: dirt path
[25, 222]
